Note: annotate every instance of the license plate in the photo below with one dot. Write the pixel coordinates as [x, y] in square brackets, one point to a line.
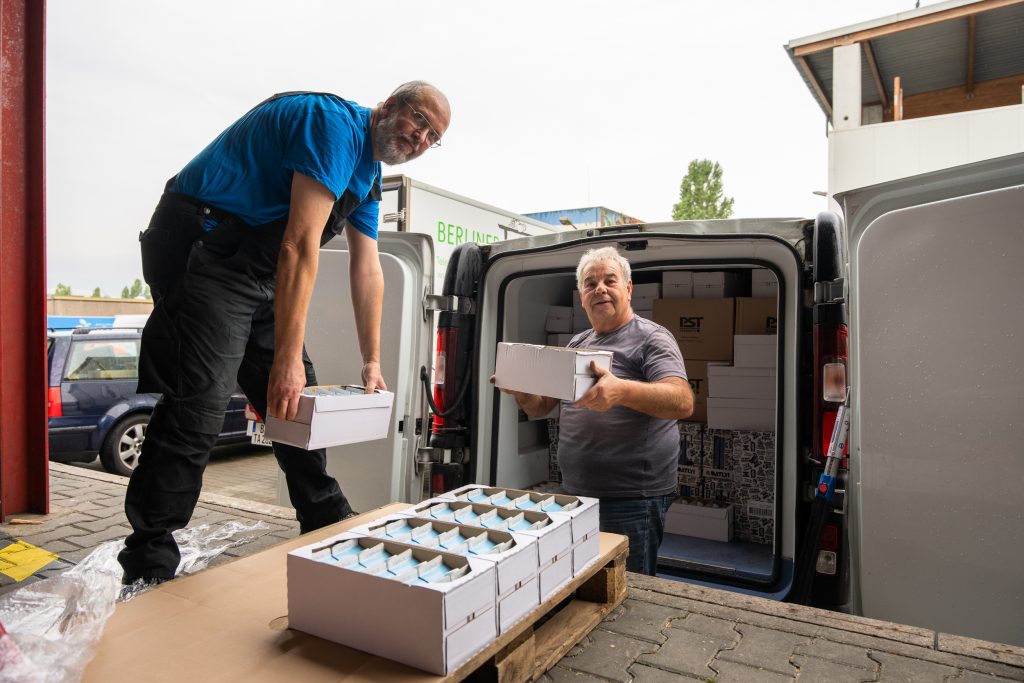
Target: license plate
[257, 433]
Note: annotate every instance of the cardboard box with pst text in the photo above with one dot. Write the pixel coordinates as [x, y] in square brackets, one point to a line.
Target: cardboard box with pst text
[755, 350]
[432, 626]
[697, 376]
[700, 518]
[334, 416]
[703, 327]
[756, 316]
[546, 370]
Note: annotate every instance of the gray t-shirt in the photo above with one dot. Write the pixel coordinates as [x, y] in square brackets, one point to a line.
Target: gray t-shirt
[623, 453]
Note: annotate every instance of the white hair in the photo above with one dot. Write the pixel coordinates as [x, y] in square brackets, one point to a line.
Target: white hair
[602, 255]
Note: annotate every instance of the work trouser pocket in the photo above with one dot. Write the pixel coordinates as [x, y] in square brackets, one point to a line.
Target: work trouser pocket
[165, 249]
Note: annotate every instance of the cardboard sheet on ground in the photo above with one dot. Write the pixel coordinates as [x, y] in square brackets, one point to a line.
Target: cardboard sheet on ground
[231, 621]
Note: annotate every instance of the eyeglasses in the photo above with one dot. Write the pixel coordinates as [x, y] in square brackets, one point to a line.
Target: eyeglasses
[423, 124]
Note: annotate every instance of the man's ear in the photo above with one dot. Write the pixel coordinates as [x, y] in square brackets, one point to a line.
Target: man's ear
[387, 107]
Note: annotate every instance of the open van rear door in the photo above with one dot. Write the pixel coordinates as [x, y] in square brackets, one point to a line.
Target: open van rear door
[936, 327]
[375, 473]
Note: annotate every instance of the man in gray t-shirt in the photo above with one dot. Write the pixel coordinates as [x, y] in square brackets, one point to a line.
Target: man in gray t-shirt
[619, 442]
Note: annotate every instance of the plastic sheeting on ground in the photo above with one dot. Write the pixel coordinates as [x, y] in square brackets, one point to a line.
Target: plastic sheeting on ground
[52, 626]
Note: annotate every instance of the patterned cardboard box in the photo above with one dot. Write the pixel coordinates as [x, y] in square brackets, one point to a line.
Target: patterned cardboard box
[750, 459]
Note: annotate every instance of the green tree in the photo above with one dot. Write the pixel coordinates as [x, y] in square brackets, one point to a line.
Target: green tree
[700, 194]
[96, 293]
[147, 294]
[134, 291]
[62, 290]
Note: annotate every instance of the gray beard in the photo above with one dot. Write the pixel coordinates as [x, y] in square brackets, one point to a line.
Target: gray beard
[390, 147]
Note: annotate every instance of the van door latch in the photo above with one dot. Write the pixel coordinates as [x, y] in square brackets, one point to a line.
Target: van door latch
[449, 303]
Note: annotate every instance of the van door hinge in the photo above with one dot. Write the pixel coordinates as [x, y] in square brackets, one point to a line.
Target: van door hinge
[395, 217]
[451, 304]
[830, 292]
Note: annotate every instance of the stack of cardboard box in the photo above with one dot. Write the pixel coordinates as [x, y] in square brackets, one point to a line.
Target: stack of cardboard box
[701, 323]
[742, 396]
[432, 585]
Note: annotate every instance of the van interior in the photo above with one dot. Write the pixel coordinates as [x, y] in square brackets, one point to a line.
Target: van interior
[724, 523]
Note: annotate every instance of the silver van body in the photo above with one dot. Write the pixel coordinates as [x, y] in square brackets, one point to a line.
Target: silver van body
[933, 281]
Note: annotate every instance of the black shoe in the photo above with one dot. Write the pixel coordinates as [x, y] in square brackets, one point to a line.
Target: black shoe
[130, 588]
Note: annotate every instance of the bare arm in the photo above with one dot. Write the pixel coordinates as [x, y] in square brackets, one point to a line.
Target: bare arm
[669, 398]
[310, 207]
[366, 281]
[532, 404]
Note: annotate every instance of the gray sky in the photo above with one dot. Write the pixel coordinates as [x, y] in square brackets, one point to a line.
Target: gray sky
[556, 103]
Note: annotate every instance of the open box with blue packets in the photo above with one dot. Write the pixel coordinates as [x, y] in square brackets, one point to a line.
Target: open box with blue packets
[582, 511]
[515, 556]
[417, 605]
[553, 533]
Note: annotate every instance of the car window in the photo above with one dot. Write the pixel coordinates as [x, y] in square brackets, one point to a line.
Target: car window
[103, 359]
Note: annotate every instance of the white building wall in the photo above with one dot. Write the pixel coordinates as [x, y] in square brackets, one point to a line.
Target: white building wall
[867, 155]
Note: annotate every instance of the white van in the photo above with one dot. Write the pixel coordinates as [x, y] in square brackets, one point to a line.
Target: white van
[916, 291]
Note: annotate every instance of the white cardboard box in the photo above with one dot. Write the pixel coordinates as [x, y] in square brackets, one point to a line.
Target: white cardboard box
[434, 627]
[688, 518]
[763, 283]
[754, 350]
[584, 515]
[713, 285]
[725, 381]
[585, 552]
[559, 319]
[647, 313]
[547, 370]
[552, 539]
[555, 574]
[516, 583]
[681, 291]
[750, 414]
[334, 420]
[674, 278]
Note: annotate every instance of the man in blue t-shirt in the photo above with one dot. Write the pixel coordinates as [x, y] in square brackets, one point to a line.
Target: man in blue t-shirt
[230, 256]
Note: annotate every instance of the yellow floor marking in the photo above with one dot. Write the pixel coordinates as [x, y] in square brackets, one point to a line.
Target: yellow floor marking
[20, 560]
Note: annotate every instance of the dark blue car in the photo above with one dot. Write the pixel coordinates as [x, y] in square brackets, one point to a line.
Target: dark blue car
[93, 407]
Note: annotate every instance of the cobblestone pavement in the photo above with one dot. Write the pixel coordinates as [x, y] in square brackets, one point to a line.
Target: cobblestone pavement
[665, 631]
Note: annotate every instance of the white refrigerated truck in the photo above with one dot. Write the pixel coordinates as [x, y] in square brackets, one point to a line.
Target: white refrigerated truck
[915, 291]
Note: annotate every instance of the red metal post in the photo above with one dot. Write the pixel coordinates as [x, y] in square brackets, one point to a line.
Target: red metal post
[24, 458]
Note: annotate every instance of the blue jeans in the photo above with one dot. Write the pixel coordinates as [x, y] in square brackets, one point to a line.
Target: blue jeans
[642, 521]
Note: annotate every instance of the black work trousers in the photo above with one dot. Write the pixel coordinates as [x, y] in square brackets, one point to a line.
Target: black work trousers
[212, 325]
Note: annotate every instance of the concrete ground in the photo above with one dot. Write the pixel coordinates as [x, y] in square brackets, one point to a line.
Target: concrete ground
[665, 631]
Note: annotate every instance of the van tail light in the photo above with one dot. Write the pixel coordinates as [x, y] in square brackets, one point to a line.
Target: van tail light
[54, 406]
[830, 382]
[451, 383]
[251, 414]
[444, 377]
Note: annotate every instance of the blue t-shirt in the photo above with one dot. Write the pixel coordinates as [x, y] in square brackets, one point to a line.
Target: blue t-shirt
[247, 170]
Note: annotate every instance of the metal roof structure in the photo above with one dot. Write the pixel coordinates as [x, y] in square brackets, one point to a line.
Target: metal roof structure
[963, 44]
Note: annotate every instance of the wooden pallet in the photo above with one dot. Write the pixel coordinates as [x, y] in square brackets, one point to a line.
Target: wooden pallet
[544, 636]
